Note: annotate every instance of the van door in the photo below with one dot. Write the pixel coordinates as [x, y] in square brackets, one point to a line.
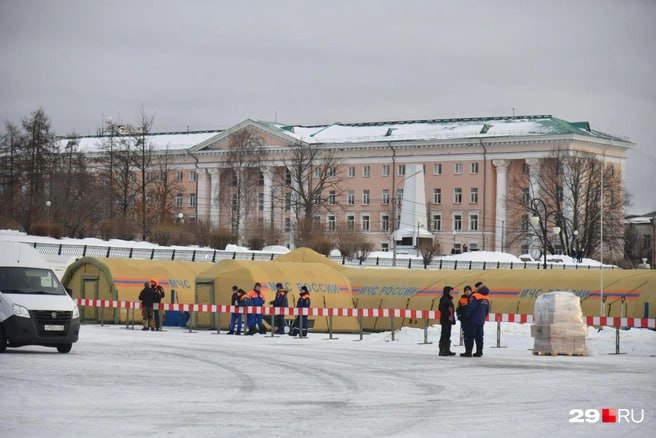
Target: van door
[205, 295]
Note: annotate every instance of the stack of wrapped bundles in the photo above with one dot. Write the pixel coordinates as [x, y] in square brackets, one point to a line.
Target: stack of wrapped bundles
[558, 325]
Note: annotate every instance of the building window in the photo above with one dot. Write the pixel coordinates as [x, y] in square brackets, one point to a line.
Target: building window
[384, 223]
[560, 194]
[526, 197]
[331, 197]
[179, 175]
[365, 197]
[525, 222]
[260, 201]
[401, 171]
[473, 222]
[288, 201]
[457, 195]
[316, 220]
[193, 176]
[192, 199]
[350, 197]
[386, 170]
[399, 196]
[457, 222]
[437, 196]
[436, 223]
[350, 222]
[288, 225]
[288, 177]
[437, 168]
[457, 168]
[473, 195]
[351, 171]
[317, 172]
[178, 200]
[366, 171]
[473, 168]
[365, 222]
[332, 171]
[386, 196]
[330, 225]
[526, 169]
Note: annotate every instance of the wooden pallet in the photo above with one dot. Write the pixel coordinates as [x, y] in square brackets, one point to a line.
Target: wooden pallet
[560, 353]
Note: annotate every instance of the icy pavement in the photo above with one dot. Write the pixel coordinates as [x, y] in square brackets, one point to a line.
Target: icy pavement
[131, 383]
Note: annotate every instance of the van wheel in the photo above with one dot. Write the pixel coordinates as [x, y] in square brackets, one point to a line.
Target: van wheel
[3, 341]
[64, 348]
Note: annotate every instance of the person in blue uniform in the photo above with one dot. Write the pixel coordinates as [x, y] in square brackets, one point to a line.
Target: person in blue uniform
[280, 301]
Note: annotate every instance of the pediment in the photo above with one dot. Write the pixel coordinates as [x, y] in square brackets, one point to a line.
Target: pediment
[272, 136]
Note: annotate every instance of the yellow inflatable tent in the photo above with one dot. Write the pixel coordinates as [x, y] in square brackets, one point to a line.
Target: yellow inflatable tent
[328, 287]
[123, 279]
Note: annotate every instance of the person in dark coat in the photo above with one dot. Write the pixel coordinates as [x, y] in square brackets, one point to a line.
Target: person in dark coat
[447, 319]
[147, 298]
[244, 301]
[301, 323]
[235, 317]
[159, 294]
[280, 301]
[476, 314]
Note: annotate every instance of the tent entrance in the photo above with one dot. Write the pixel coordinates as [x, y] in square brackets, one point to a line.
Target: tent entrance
[90, 292]
[205, 295]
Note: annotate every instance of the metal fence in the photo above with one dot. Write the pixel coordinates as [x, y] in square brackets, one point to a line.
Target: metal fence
[213, 255]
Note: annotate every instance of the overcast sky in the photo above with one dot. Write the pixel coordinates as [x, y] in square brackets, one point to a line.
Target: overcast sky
[212, 64]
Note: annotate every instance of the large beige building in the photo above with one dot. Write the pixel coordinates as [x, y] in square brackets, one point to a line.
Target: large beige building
[455, 176]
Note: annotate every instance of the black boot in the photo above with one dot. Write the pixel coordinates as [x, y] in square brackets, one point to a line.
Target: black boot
[263, 330]
[251, 331]
[442, 350]
[447, 349]
[469, 346]
[231, 332]
[479, 348]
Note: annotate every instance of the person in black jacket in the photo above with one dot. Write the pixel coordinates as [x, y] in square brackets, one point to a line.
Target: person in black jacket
[280, 301]
[147, 298]
[235, 317]
[447, 319]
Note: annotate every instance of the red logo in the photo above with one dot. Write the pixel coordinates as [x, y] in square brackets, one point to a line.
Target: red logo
[608, 415]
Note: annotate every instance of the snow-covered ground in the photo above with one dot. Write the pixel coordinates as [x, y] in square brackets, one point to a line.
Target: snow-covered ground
[118, 382]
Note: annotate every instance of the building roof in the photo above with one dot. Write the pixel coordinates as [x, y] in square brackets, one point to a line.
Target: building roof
[364, 132]
[440, 129]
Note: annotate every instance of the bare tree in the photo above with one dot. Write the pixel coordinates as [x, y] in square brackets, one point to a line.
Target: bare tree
[10, 171]
[310, 182]
[163, 190]
[244, 159]
[570, 184]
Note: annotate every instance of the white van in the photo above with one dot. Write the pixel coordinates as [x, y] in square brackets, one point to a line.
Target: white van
[35, 309]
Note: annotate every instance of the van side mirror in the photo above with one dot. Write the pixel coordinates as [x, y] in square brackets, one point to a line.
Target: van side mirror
[69, 291]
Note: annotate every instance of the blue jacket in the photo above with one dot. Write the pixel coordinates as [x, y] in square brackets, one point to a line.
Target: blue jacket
[303, 301]
[477, 310]
[280, 300]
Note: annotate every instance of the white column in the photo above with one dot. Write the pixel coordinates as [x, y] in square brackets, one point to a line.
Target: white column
[203, 195]
[500, 220]
[533, 172]
[215, 191]
[534, 192]
[268, 194]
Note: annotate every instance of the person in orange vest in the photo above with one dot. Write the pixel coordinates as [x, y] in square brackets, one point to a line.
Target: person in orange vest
[257, 299]
[447, 319]
[301, 323]
[280, 301]
[467, 334]
[476, 314]
[159, 294]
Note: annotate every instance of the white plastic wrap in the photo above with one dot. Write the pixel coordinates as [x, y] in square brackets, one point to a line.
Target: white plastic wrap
[559, 326]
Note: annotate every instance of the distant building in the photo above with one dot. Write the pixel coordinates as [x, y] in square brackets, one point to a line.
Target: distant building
[640, 239]
[467, 168]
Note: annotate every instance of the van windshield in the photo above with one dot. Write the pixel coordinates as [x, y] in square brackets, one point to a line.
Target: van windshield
[30, 281]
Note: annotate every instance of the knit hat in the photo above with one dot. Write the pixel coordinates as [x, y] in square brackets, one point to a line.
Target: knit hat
[278, 285]
[234, 288]
[304, 290]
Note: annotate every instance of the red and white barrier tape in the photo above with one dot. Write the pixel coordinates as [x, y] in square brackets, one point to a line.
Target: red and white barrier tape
[359, 313]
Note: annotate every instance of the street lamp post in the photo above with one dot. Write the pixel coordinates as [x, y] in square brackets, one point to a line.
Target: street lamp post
[48, 204]
[538, 204]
